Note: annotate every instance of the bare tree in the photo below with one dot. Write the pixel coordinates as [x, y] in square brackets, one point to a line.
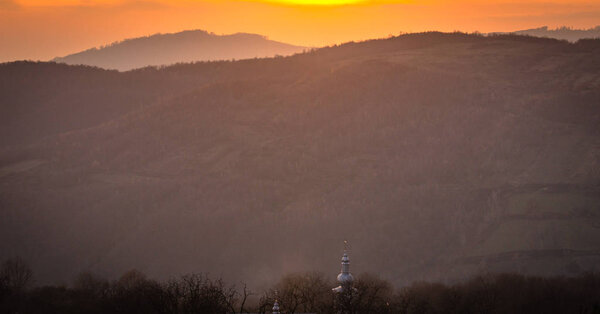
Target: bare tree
[301, 292]
[245, 294]
[196, 293]
[372, 294]
[16, 274]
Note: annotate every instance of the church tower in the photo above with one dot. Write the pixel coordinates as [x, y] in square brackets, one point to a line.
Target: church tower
[345, 290]
[345, 278]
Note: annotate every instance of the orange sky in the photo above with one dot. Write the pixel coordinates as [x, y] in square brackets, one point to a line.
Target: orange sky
[41, 30]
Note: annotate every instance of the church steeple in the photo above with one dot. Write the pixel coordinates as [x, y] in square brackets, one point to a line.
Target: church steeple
[276, 303]
[345, 278]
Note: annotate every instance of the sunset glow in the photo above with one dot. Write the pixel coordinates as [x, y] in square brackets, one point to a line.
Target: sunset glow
[319, 2]
[40, 29]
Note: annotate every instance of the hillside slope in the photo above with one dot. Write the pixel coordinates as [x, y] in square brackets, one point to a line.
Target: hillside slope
[436, 155]
[187, 46]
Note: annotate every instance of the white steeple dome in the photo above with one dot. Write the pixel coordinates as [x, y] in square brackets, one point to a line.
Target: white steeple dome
[345, 278]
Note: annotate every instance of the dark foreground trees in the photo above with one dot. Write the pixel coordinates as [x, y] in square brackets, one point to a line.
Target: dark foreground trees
[308, 292]
[504, 293]
[15, 275]
[300, 293]
[131, 293]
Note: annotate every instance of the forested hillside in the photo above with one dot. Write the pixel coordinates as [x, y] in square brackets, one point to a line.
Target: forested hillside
[437, 156]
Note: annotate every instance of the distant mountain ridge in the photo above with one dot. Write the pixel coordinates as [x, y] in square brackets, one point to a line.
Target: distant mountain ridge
[562, 33]
[186, 46]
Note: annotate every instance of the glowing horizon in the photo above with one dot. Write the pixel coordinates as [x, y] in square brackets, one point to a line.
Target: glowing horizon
[42, 30]
[317, 2]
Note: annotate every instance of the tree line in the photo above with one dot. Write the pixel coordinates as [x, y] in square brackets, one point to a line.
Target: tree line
[308, 292]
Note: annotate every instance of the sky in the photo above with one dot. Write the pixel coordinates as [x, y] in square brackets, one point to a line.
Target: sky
[42, 30]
